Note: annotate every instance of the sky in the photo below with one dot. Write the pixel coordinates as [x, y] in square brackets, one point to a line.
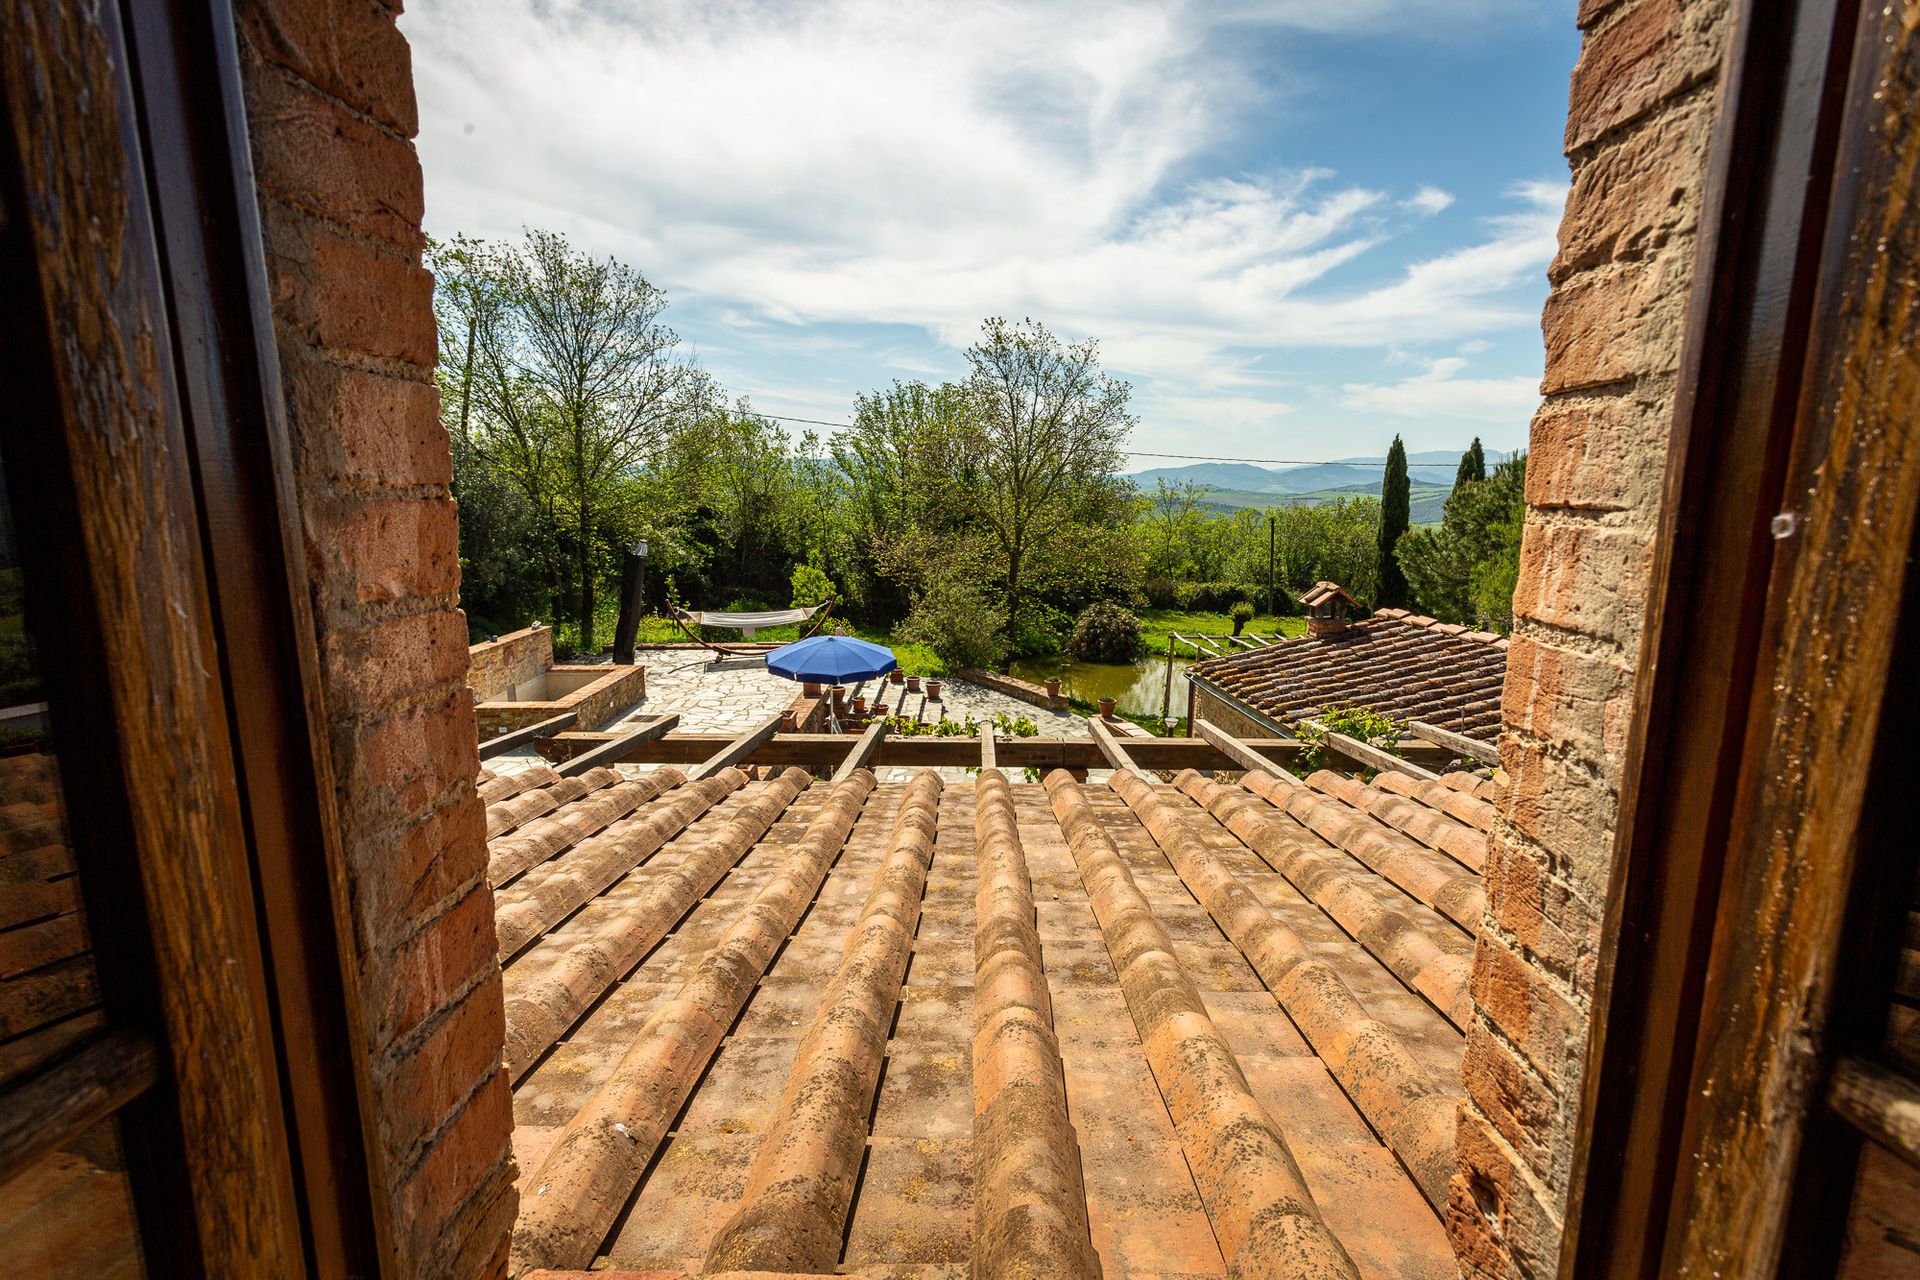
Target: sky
[1297, 228]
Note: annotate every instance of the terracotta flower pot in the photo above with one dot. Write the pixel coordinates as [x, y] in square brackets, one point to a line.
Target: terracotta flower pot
[913, 684]
[897, 675]
[933, 690]
[1106, 708]
[811, 689]
[860, 705]
[1053, 687]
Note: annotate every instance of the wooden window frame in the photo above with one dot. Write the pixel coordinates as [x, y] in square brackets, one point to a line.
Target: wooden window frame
[1741, 856]
[166, 571]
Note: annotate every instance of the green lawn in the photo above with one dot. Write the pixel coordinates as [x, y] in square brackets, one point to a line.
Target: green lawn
[1157, 624]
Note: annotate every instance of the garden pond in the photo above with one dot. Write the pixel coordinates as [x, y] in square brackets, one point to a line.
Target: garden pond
[1136, 687]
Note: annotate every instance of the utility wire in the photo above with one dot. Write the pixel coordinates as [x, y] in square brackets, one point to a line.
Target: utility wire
[1142, 453]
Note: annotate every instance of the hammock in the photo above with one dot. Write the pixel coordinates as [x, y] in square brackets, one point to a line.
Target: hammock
[746, 623]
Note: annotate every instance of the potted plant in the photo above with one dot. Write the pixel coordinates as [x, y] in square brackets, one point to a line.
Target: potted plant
[1053, 687]
[933, 691]
[897, 675]
[913, 684]
[860, 704]
[1106, 708]
[811, 688]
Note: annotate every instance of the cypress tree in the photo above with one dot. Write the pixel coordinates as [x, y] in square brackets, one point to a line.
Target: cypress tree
[1473, 464]
[1396, 502]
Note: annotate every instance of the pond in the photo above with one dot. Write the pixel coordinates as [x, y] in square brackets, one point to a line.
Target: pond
[1136, 687]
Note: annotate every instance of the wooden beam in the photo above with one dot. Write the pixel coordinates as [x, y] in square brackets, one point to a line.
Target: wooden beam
[63, 1099]
[522, 737]
[1880, 1104]
[1241, 754]
[1244, 642]
[621, 749]
[1110, 747]
[1372, 757]
[1368, 756]
[986, 747]
[862, 751]
[1458, 743]
[737, 751]
[824, 750]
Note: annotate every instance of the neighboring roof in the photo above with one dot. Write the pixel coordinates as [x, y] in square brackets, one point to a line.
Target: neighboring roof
[745, 1029]
[1324, 592]
[1404, 665]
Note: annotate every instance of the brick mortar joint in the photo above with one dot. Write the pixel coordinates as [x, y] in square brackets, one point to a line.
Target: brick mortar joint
[286, 73]
[345, 231]
[429, 698]
[393, 1056]
[1565, 515]
[1623, 650]
[1498, 935]
[321, 486]
[1551, 1199]
[1560, 1093]
[1680, 245]
[285, 335]
[1656, 115]
[375, 613]
[449, 797]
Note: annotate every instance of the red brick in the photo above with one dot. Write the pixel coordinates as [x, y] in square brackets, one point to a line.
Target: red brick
[1578, 701]
[473, 1246]
[420, 976]
[360, 428]
[1517, 1102]
[349, 48]
[374, 666]
[1497, 1217]
[1647, 53]
[1637, 193]
[312, 153]
[348, 295]
[1566, 805]
[459, 1162]
[1602, 454]
[423, 864]
[1544, 1025]
[435, 1078]
[1624, 322]
[394, 768]
[1585, 579]
[383, 550]
[1542, 913]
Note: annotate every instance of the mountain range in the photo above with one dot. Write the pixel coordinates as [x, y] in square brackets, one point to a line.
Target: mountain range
[1432, 467]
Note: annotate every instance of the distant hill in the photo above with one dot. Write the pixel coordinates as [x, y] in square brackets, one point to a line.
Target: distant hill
[1247, 484]
[1425, 502]
[1245, 477]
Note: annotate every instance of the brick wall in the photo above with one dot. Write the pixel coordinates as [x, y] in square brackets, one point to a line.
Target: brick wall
[497, 665]
[1215, 710]
[1640, 115]
[330, 107]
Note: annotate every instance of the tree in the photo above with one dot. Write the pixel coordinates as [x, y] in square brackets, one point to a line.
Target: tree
[1176, 520]
[1390, 589]
[1473, 465]
[1046, 425]
[574, 379]
[1464, 570]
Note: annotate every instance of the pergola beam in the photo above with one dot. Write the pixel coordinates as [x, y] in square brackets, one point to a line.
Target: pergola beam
[1239, 752]
[621, 749]
[1458, 743]
[862, 751]
[524, 736]
[736, 751]
[1110, 747]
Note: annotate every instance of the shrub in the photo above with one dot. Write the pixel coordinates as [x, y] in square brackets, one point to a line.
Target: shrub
[1105, 632]
[1038, 631]
[1242, 615]
[812, 586]
[954, 618]
[1367, 725]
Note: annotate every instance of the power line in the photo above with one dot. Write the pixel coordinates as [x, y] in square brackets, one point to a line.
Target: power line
[1142, 453]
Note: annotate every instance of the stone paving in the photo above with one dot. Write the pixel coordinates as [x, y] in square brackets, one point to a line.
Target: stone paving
[734, 695]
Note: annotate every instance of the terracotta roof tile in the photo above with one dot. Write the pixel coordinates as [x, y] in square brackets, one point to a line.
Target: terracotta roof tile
[914, 1029]
[1405, 666]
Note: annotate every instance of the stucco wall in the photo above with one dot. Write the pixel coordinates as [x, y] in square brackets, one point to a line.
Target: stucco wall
[1641, 110]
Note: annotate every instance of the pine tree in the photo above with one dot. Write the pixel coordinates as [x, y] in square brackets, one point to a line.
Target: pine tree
[1473, 464]
[1396, 501]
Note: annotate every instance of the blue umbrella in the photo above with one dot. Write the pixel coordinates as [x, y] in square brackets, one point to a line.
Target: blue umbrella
[831, 660]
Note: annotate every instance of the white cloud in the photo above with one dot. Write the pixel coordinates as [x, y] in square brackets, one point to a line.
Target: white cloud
[1437, 392]
[905, 162]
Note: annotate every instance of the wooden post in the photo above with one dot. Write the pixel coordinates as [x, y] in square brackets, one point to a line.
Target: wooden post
[621, 748]
[986, 747]
[1273, 527]
[1166, 695]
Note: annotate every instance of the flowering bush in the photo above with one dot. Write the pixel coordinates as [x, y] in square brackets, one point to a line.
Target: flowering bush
[1105, 632]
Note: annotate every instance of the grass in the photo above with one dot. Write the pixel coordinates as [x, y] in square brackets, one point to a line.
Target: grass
[1157, 624]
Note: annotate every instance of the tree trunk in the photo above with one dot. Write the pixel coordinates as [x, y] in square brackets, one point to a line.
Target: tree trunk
[586, 586]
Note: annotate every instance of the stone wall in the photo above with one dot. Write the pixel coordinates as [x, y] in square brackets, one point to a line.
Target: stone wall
[1014, 687]
[497, 665]
[1641, 112]
[330, 107]
[1222, 715]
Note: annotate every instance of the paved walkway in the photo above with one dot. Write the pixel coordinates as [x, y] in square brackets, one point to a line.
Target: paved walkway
[736, 694]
